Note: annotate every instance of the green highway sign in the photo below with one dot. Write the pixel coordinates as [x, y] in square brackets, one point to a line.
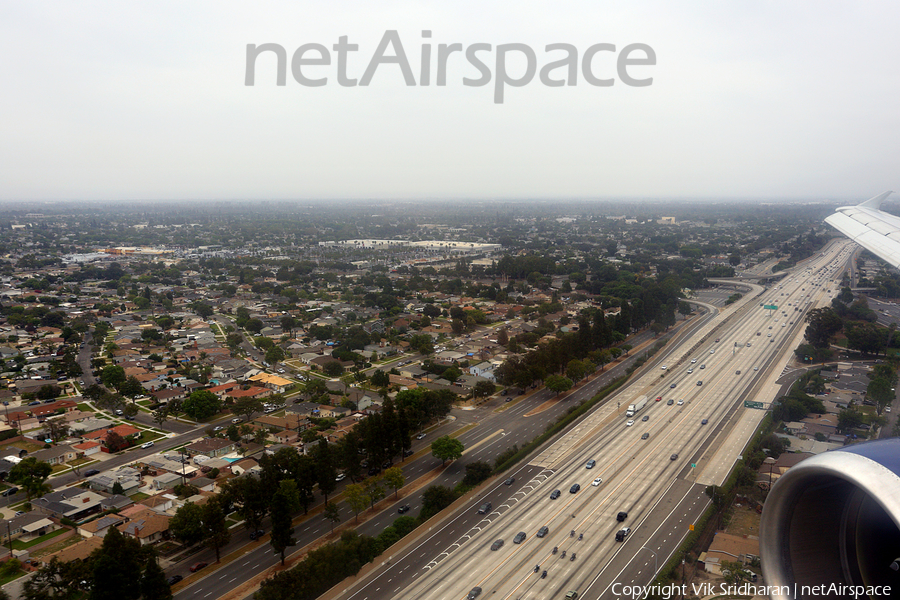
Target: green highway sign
[752, 404]
[770, 307]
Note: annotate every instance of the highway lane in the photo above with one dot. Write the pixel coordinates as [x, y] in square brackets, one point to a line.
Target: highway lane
[636, 475]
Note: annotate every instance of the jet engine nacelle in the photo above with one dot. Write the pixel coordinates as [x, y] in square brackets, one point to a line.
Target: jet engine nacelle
[834, 518]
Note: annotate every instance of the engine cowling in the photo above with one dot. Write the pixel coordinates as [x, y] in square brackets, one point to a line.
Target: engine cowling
[834, 520]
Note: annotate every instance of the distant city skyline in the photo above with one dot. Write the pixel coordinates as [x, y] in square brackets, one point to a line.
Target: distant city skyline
[765, 102]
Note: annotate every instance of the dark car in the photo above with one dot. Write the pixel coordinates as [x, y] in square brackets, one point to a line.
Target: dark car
[255, 535]
[590, 464]
[174, 579]
[403, 509]
[197, 566]
[645, 418]
[34, 403]
[543, 531]
[386, 464]
[407, 453]
[476, 591]
[10, 491]
[574, 489]
[484, 508]
[670, 402]
[91, 472]
[520, 537]
[497, 545]
[509, 481]
[704, 421]
[672, 387]
[621, 516]
[374, 471]
[554, 494]
[622, 534]
[645, 436]
[673, 457]
[699, 383]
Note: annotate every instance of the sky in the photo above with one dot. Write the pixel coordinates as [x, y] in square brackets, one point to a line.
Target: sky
[143, 101]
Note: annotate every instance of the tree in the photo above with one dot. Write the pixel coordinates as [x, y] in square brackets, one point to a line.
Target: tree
[202, 404]
[733, 572]
[824, 323]
[57, 428]
[394, 477]
[848, 419]
[380, 379]
[476, 472]
[117, 568]
[187, 524]
[161, 415]
[131, 410]
[374, 491]
[332, 513]
[131, 388]
[154, 585]
[115, 442]
[436, 498]
[118, 489]
[202, 310]
[446, 448]
[333, 368]
[558, 383]
[56, 580]
[215, 527]
[246, 407]
[31, 474]
[879, 391]
[285, 502]
[113, 376]
[355, 495]
[251, 496]
[325, 469]
[483, 389]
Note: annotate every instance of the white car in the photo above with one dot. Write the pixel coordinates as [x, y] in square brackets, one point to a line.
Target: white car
[680, 402]
[147, 445]
[693, 360]
[690, 371]
[664, 367]
[596, 482]
[629, 423]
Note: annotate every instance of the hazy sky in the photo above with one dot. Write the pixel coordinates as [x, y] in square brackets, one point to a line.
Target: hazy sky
[116, 100]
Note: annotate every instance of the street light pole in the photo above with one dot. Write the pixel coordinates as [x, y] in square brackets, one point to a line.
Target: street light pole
[655, 560]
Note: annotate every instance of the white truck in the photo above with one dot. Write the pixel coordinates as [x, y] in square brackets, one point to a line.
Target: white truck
[638, 404]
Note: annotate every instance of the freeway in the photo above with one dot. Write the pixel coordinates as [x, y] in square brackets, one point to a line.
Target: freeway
[497, 426]
[651, 479]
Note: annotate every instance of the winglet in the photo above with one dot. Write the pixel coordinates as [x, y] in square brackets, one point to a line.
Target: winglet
[876, 201]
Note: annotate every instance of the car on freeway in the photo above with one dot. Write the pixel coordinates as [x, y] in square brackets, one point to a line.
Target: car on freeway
[645, 436]
[484, 508]
[574, 489]
[597, 482]
[664, 367]
[699, 383]
[621, 516]
[590, 464]
[693, 360]
[645, 418]
[543, 531]
[554, 494]
[670, 402]
[702, 366]
[197, 566]
[673, 457]
[403, 509]
[658, 398]
[520, 537]
[756, 368]
[509, 481]
[672, 387]
[680, 402]
[690, 371]
[622, 534]
[476, 591]
[704, 421]
[497, 545]
[571, 595]
[629, 423]
[738, 372]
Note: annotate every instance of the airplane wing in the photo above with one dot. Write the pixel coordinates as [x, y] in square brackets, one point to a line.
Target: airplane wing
[870, 227]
